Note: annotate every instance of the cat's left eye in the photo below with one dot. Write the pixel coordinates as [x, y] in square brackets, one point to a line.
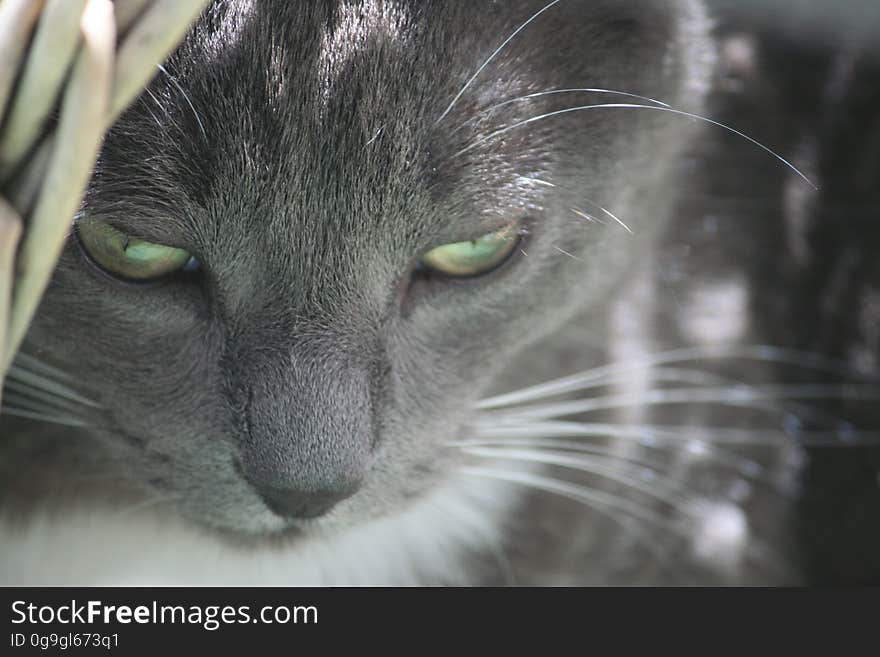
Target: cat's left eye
[129, 258]
[475, 258]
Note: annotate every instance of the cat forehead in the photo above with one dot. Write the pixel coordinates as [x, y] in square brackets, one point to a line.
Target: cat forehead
[324, 116]
[289, 146]
[299, 114]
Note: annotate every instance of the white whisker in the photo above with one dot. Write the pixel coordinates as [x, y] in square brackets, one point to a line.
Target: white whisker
[17, 389]
[376, 136]
[41, 417]
[662, 489]
[657, 435]
[573, 491]
[610, 214]
[744, 467]
[599, 375]
[566, 253]
[600, 380]
[156, 102]
[697, 117]
[147, 504]
[735, 396]
[34, 364]
[553, 92]
[612, 507]
[41, 382]
[590, 90]
[494, 55]
[584, 215]
[608, 505]
[186, 98]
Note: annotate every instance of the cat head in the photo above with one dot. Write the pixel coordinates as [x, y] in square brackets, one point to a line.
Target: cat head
[329, 226]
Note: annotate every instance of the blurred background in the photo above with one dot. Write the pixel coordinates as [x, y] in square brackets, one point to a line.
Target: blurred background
[803, 76]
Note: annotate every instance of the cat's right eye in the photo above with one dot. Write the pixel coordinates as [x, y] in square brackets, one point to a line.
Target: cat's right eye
[128, 258]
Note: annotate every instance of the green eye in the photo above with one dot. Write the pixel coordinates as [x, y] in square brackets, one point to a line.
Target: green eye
[127, 257]
[474, 258]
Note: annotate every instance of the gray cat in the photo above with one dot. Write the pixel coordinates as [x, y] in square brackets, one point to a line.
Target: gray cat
[328, 243]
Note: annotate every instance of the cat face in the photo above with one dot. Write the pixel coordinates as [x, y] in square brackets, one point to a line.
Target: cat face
[310, 365]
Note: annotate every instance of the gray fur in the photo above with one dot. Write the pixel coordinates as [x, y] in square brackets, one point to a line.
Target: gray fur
[299, 150]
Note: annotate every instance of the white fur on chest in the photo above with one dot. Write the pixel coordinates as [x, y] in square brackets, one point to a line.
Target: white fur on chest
[425, 543]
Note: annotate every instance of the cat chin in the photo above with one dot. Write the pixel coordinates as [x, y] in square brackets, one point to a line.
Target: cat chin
[426, 543]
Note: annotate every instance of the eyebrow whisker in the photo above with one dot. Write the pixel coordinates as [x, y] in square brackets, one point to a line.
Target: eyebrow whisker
[494, 55]
[671, 110]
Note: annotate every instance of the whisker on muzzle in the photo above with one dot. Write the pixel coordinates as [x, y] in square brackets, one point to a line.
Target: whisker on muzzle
[632, 517]
[48, 385]
[745, 396]
[605, 374]
[31, 414]
[743, 467]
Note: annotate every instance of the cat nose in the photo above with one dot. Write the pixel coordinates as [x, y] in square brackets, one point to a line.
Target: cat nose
[294, 504]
